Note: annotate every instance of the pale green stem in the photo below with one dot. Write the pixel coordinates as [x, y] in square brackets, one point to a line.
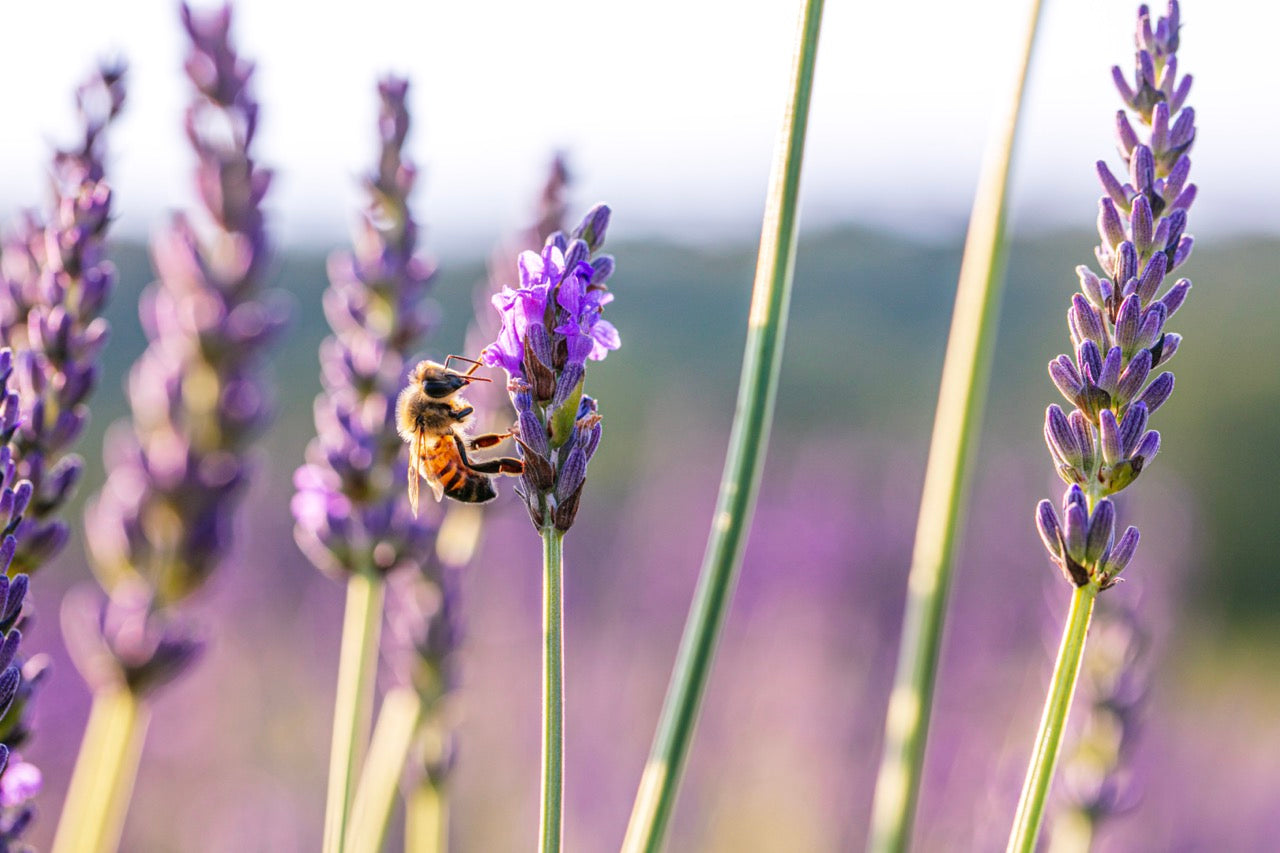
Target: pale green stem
[102, 782]
[426, 820]
[357, 662]
[380, 779]
[1044, 757]
[757, 391]
[1072, 832]
[552, 689]
[957, 425]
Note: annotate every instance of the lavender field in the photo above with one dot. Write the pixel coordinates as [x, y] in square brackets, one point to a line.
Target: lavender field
[781, 593]
[786, 752]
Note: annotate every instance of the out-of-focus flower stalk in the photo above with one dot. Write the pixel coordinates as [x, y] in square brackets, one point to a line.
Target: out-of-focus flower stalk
[163, 521]
[1117, 326]
[966, 373]
[757, 392]
[353, 518]
[426, 795]
[1097, 780]
[55, 281]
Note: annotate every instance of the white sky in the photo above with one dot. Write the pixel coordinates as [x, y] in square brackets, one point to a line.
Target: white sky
[668, 108]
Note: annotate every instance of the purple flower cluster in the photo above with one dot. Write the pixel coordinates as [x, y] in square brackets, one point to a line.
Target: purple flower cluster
[551, 326]
[1117, 321]
[350, 505]
[55, 281]
[19, 781]
[163, 520]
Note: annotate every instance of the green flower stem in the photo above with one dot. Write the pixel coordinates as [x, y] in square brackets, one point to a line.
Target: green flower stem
[740, 484]
[1035, 790]
[380, 779]
[957, 425]
[552, 688]
[357, 661]
[102, 782]
[426, 820]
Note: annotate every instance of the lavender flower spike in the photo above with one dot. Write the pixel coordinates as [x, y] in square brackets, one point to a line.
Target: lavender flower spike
[55, 281]
[350, 504]
[551, 327]
[1123, 311]
[1117, 324]
[175, 475]
[19, 781]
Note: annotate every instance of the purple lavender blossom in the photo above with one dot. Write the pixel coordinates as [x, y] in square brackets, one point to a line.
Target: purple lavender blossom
[15, 496]
[55, 281]
[1117, 321]
[163, 519]
[350, 504]
[551, 327]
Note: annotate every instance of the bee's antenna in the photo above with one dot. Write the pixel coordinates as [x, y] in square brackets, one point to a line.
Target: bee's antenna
[474, 364]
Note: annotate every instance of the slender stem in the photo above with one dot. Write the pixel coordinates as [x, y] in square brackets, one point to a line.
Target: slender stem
[740, 483]
[380, 779]
[426, 820]
[102, 783]
[957, 426]
[552, 688]
[1044, 757]
[357, 661]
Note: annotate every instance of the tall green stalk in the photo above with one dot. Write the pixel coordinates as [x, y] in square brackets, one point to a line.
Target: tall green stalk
[956, 427]
[740, 484]
[357, 663]
[1035, 790]
[106, 768]
[552, 688]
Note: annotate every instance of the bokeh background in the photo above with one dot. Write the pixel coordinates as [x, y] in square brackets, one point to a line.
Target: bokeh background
[667, 111]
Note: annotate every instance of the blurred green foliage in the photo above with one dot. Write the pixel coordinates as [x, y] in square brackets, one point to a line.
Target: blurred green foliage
[864, 352]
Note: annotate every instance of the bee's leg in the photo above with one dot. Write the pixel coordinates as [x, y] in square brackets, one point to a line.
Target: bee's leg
[488, 440]
[501, 465]
[463, 413]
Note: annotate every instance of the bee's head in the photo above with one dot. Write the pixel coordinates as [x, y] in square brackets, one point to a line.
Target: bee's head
[439, 382]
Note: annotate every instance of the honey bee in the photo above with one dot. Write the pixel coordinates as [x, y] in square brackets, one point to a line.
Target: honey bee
[432, 417]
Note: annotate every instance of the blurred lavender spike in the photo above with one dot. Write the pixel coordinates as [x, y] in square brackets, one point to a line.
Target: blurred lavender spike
[349, 506]
[1098, 785]
[55, 281]
[175, 474]
[424, 632]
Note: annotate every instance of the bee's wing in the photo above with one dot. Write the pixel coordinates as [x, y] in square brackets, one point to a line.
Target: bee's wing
[433, 481]
[416, 449]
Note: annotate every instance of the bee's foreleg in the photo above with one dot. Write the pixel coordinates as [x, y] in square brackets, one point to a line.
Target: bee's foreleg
[488, 440]
[462, 414]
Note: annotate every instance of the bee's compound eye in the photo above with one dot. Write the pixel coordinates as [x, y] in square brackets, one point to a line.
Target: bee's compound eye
[443, 386]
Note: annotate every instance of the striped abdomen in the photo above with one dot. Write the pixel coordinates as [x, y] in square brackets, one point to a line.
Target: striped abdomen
[444, 469]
